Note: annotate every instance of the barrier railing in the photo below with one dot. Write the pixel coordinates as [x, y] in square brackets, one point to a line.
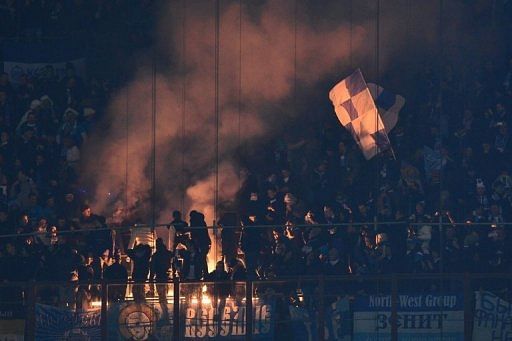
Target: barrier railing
[432, 249]
[393, 307]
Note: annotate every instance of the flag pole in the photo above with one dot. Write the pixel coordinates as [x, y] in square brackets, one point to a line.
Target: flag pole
[392, 151]
[387, 136]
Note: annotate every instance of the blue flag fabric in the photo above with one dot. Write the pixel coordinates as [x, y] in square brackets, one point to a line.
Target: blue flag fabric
[388, 105]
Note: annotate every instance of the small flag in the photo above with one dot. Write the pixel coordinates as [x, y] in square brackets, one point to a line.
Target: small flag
[433, 162]
[356, 110]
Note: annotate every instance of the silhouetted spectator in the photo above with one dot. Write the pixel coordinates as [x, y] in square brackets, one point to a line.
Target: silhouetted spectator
[116, 273]
[201, 238]
[140, 256]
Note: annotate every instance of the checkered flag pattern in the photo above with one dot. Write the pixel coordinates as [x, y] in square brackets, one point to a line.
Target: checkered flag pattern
[356, 110]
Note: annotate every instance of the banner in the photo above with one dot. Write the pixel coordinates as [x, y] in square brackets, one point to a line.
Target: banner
[12, 322]
[199, 320]
[32, 58]
[62, 324]
[493, 317]
[419, 317]
[337, 320]
[138, 321]
[303, 323]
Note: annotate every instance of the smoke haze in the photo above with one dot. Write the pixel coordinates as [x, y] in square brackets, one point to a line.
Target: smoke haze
[119, 161]
[263, 55]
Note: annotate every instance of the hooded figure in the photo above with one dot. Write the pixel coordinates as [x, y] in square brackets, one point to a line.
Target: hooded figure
[140, 255]
[200, 238]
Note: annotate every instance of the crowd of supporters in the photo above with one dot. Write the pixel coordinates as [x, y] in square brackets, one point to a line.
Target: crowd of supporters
[37, 19]
[441, 198]
[45, 119]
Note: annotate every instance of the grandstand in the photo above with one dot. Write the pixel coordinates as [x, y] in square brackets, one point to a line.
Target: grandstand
[177, 170]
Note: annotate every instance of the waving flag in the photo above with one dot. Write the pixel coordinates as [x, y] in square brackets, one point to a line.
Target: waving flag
[388, 105]
[356, 110]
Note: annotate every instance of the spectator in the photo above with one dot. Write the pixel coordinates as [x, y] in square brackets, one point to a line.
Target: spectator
[160, 263]
[178, 226]
[221, 290]
[116, 273]
[229, 236]
[250, 241]
[99, 236]
[201, 239]
[237, 270]
[21, 189]
[160, 270]
[334, 265]
[193, 262]
[140, 255]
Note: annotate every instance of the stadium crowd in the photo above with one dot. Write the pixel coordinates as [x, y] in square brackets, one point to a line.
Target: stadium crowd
[309, 207]
[38, 19]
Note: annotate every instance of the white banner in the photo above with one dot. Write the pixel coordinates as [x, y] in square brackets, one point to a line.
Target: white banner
[419, 318]
[493, 317]
[31, 58]
[34, 70]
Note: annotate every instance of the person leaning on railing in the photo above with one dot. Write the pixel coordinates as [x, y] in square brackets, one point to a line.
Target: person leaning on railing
[160, 272]
[140, 255]
[116, 273]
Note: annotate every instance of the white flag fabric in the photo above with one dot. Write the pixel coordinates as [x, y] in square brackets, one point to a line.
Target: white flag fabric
[388, 105]
[356, 110]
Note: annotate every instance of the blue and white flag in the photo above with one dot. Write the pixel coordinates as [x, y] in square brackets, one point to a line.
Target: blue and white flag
[356, 110]
[492, 316]
[388, 105]
[433, 162]
[32, 58]
[52, 323]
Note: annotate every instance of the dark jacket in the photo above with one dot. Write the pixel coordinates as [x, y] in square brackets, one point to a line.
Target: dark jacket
[160, 265]
[140, 256]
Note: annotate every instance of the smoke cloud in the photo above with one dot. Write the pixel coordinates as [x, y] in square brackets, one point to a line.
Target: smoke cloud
[262, 70]
[264, 52]
[267, 50]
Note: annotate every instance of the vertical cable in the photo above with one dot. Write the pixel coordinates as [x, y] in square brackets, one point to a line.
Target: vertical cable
[217, 126]
[127, 150]
[440, 70]
[379, 163]
[408, 47]
[153, 141]
[217, 55]
[408, 26]
[351, 11]
[377, 43]
[295, 10]
[441, 176]
[183, 102]
[239, 89]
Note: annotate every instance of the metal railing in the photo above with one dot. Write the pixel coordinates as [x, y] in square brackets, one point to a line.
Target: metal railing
[122, 235]
[121, 228]
[457, 306]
